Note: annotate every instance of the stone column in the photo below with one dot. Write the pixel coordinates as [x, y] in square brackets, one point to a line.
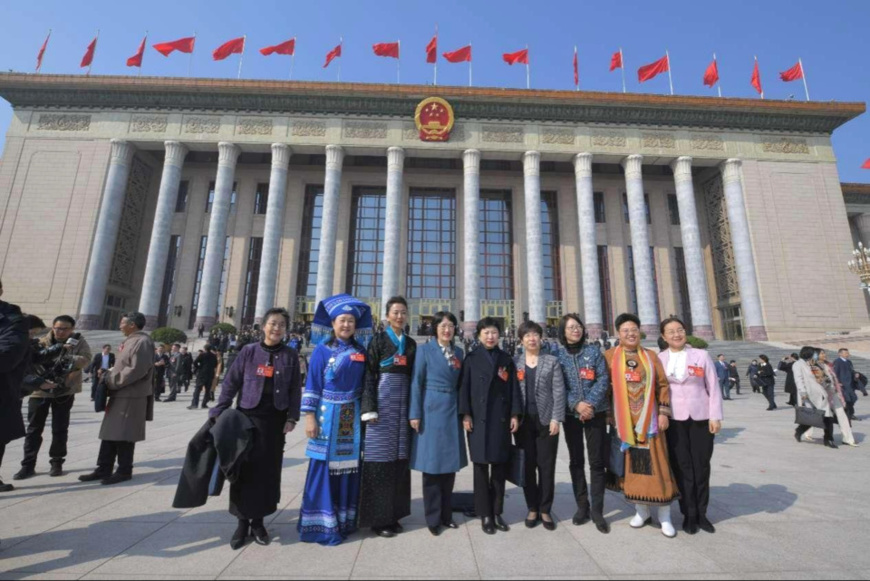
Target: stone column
[643, 266]
[106, 237]
[471, 248]
[534, 237]
[594, 316]
[329, 225]
[862, 224]
[696, 271]
[161, 233]
[273, 230]
[744, 258]
[206, 310]
[393, 229]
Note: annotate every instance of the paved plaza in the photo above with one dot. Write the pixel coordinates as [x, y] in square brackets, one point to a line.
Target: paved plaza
[783, 510]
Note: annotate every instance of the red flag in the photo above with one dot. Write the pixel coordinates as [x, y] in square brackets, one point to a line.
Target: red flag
[136, 59]
[89, 54]
[519, 57]
[616, 61]
[866, 165]
[432, 50]
[234, 46]
[576, 69]
[184, 45]
[285, 48]
[756, 79]
[42, 52]
[653, 70]
[336, 52]
[711, 77]
[459, 56]
[795, 73]
[387, 49]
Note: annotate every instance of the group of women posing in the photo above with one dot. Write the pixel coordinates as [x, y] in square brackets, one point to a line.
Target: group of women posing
[377, 406]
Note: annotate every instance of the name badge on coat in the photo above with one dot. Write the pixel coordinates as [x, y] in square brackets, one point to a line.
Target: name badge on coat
[265, 371]
[695, 371]
[503, 374]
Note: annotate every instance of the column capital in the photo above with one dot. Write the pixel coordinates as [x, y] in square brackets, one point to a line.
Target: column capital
[633, 166]
[281, 153]
[532, 163]
[334, 157]
[583, 165]
[175, 153]
[122, 152]
[395, 159]
[682, 168]
[730, 169]
[471, 161]
[228, 154]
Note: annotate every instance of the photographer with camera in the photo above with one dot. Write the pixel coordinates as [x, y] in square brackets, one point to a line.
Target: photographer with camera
[14, 349]
[58, 365]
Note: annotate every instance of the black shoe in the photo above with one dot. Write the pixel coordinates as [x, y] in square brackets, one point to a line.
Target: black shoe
[580, 518]
[533, 522]
[705, 525]
[384, 533]
[487, 525]
[796, 436]
[397, 528]
[549, 525]
[94, 476]
[690, 526]
[191, 407]
[450, 525]
[6, 487]
[56, 470]
[436, 531]
[831, 444]
[169, 400]
[261, 535]
[117, 478]
[500, 524]
[603, 527]
[240, 536]
[25, 473]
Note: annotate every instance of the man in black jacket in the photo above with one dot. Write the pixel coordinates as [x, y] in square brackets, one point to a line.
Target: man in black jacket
[787, 365]
[101, 363]
[14, 350]
[186, 368]
[205, 368]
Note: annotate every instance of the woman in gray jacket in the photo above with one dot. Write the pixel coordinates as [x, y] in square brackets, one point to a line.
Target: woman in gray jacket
[543, 393]
[809, 377]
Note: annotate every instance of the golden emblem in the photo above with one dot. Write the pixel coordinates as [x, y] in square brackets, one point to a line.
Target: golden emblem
[434, 119]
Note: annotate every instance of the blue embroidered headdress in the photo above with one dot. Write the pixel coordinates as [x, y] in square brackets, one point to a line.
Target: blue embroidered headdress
[330, 309]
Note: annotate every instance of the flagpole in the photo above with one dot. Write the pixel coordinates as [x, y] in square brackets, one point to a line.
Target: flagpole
[469, 67]
[190, 61]
[242, 55]
[719, 81]
[528, 70]
[93, 56]
[399, 65]
[804, 75]
[293, 58]
[577, 82]
[39, 63]
[622, 58]
[762, 90]
[341, 47]
[144, 42]
[670, 77]
[435, 82]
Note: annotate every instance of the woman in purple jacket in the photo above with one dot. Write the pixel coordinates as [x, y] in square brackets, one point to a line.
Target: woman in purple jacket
[265, 377]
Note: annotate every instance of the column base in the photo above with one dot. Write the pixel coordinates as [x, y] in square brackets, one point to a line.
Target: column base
[756, 334]
[150, 322]
[594, 331]
[89, 323]
[704, 332]
[470, 328]
[652, 331]
[207, 322]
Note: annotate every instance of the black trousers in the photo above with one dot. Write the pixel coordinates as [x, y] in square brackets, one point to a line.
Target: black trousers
[110, 451]
[829, 430]
[771, 398]
[438, 498]
[202, 384]
[598, 447]
[173, 386]
[691, 447]
[2, 453]
[540, 450]
[489, 487]
[850, 411]
[37, 415]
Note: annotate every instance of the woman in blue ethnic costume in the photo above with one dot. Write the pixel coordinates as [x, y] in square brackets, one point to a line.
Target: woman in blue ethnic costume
[331, 404]
[437, 446]
[386, 476]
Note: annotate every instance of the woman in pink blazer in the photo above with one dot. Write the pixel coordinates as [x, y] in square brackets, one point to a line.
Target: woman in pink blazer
[696, 403]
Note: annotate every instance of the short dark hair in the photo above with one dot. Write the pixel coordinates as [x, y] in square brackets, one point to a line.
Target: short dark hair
[486, 323]
[720, 355]
[529, 327]
[441, 315]
[841, 350]
[136, 318]
[764, 358]
[277, 312]
[807, 353]
[626, 318]
[64, 319]
[732, 361]
[395, 301]
[563, 326]
[34, 322]
[794, 356]
[107, 346]
[668, 321]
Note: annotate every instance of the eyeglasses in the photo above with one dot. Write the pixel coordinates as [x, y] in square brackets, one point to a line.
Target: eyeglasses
[447, 326]
[61, 329]
[574, 328]
[677, 333]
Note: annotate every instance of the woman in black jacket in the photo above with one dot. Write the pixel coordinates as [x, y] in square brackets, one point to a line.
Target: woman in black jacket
[491, 404]
[767, 378]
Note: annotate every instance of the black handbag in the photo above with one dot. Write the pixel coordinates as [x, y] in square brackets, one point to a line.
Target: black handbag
[809, 416]
[517, 467]
[101, 396]
[616, 461]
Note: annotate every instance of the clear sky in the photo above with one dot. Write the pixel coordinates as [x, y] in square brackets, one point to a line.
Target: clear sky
[831, 37]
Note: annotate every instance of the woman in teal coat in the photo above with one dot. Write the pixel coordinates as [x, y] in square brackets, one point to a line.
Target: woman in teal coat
[437, 446]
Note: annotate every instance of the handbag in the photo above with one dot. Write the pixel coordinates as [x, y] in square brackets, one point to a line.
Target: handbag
[809, 416]
[616, 461]
[517, 467]
[101, 396]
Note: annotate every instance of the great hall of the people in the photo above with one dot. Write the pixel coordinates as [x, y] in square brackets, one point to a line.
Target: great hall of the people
[202, 201]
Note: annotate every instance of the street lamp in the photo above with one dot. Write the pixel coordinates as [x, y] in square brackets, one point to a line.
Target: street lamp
[860, 265]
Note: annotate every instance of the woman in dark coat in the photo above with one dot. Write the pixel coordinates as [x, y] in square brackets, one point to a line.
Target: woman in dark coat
[767, 379]
[265, 376]
[14, 357]
[491, 404]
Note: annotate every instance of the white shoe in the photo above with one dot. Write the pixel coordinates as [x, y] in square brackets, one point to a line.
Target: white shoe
[642, 518]
[809, 438]
[852, 444]
[668, 529]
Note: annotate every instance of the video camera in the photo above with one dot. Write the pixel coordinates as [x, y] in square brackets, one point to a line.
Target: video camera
[53, 364]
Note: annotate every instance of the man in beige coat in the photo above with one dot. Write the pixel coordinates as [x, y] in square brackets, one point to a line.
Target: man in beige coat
[130, 388]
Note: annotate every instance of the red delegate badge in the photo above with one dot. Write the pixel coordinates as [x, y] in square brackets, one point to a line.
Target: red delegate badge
[503, 374]
[521, 374]
[456, 363]
[265, 371]
[587, 373]
[400, 361]
[696, 371]
[358, 358]
[633, 376]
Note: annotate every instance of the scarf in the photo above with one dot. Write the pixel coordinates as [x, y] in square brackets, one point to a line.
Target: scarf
[399, 342]
[633, 436]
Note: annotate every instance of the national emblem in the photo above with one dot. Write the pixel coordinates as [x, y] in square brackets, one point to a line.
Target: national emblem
[434, 119]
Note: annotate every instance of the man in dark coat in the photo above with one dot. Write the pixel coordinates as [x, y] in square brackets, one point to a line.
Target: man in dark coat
[787, 365]
[205, 368]
[734, 376]
[14, 350]
[845, 372]
[102, 362]
[186, 368]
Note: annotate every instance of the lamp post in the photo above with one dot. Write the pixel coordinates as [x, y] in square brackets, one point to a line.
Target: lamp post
[860, 265]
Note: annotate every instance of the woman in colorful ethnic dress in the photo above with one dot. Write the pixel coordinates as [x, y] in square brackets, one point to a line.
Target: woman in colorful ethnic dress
[437, 445]
[385, 498]
[331, 403]
[641, 404]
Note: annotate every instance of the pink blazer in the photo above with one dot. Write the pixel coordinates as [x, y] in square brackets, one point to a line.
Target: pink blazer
[695, 398]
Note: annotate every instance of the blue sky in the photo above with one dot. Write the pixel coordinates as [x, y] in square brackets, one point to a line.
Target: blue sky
[832, 39]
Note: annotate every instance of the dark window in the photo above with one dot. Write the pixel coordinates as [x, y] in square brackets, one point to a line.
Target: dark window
[223, 288]
[550, 239]
[197, 285]
[115, 308]
[600, 210]
[683, 304]
[309, 253]
[432, 244]
[606, 293]
[365, 267]
[210, 202]
[625, 208]
[496, 246]
[252, 281]
[181, 200]
[674, 208]
[632, 286]
[168, 295]
[261, 200]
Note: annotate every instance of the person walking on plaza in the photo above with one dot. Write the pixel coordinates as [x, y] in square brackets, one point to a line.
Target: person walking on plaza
[437, 445]
[845, 372]
[696, 406]
[14, 359]
[186, 368]
[787, 365]
[724, 376]
[767, 378]
[542, 387]
[201, 330]
[205, 367]
[734, 376]
[752, 374]
[491, 405]
[385, 497]
[331, 404]
[265, 378]
[54, 398]
[641, 410]
[173, 371]
[811, 380]
[102, 362]
[130, 385]
[835, 397]
[587, 381]
[161, 364]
